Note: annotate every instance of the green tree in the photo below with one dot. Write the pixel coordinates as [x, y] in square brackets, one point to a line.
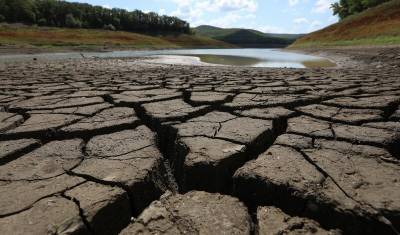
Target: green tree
[42, 22]
[19, 10]
[67, 14]
[345, 8]
[71, 22]
[109, 27]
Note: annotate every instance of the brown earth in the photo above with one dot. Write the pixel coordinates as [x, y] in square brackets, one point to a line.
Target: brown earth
[109, 146]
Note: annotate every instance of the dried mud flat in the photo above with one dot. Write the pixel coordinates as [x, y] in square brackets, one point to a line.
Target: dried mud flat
[119, 146]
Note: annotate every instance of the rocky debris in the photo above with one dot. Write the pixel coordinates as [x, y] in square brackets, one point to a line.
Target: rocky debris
[9, 121]
[87, 145]
[274, 221]
[193, 213]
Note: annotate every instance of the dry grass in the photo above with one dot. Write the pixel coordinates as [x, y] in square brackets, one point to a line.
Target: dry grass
[19, 35]
[379, 25]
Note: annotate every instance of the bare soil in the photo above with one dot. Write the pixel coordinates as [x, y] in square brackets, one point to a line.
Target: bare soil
[109, 146]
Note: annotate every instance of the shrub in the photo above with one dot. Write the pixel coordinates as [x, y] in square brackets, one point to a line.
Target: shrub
[42, 22]
[71, 22]
[109, 27]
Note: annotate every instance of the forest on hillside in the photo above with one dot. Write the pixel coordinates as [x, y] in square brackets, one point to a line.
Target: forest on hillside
[57, 13]
[345, 8]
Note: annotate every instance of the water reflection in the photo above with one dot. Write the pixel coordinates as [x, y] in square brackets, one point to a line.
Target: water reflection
[256, 62]
[229, 60]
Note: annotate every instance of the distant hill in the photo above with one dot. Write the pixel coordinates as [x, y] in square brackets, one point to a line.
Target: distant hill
[376, 26]
[246, 37]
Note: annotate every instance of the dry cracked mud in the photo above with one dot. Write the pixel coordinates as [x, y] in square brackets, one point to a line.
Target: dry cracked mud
[120, 146]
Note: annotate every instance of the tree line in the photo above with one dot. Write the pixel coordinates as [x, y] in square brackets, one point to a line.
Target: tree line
[81, 15]
[345, 8]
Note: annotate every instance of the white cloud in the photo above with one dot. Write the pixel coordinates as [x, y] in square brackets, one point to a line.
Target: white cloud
[233, 20]
[245, 14]
[226, 20]
[271, 29]
[233, 5]
[300, 21]
[218, 5]
[228, 11]
[322, 6]
[293, 2]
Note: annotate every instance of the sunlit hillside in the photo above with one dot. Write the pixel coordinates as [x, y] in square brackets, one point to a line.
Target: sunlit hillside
[48, 37]
[375, 26]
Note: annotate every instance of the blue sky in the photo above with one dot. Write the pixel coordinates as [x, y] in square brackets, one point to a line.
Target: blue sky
[273, 16]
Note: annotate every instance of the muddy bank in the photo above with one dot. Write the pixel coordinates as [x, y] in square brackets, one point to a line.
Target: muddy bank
[366, 56]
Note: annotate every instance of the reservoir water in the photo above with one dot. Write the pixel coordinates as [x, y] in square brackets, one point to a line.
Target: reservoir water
[236, 57]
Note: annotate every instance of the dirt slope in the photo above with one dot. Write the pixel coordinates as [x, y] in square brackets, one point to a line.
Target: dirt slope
[376, 26]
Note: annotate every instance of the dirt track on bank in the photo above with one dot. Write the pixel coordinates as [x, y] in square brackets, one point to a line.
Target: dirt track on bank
[86, 145]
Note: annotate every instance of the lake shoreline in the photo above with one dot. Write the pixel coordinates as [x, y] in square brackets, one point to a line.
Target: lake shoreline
[343, 57]
[354, 56]
[246, 57]
[6, 50]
